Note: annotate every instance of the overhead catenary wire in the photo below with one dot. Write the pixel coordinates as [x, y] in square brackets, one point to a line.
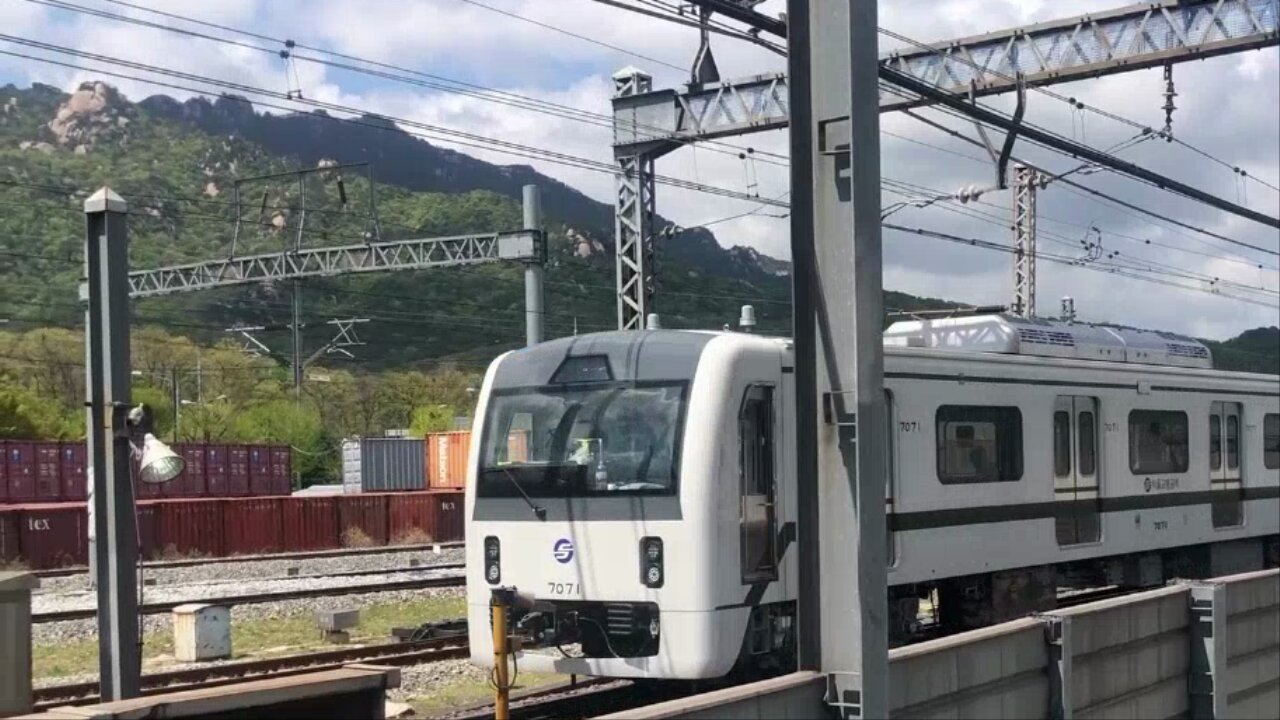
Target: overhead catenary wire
[1111, 198]
[365, 65]
[1073, 102]
[429, 131]
[1103, 268]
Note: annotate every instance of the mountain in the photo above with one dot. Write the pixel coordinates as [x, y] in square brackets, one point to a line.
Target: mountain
[1256, 350]
[181, 165]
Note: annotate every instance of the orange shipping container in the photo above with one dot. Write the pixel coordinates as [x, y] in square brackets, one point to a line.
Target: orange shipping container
[447, 454]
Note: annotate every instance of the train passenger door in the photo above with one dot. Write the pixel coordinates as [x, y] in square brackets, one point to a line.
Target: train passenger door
[1225, 478]
[1075, 470]
[758, 519]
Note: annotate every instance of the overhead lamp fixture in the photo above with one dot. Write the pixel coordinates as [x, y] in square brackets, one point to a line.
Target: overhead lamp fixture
[159, 463]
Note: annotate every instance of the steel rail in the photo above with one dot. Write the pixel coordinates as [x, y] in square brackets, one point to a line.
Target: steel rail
[257, 598]
[398, 654]
[266, 557]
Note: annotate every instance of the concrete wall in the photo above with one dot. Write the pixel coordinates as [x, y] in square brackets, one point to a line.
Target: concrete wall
[1121, 658]
[989, 673]
[15, 641]
[1204, 649]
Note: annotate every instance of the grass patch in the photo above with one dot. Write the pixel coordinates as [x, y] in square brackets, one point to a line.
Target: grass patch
[461, 692]
[255, 638]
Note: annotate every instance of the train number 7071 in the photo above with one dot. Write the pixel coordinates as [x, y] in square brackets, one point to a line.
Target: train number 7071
[555, 588]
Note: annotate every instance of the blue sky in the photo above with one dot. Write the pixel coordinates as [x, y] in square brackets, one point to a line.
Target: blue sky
[1229, 106]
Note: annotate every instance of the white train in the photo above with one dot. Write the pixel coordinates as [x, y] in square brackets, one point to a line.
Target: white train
[640, 485]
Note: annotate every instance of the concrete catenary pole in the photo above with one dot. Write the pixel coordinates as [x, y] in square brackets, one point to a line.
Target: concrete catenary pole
[116, 545]
[534, 306]
[835, 237]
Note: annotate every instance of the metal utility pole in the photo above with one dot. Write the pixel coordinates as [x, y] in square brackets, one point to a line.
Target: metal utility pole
[177, 403]
[1024, 240]
[633, 208]
[835, 235]
[296, 332]
[107, 344]
[534, 312]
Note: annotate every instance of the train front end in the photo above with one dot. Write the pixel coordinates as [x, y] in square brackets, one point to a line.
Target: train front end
[574, 508]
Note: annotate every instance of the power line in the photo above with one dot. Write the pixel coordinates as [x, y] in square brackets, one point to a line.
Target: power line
[1108, 269]
[1073, 102]
[1071, 147]
[420, 79]
[1151, 266]
[451, 136]
[571, 34]
[972, 141]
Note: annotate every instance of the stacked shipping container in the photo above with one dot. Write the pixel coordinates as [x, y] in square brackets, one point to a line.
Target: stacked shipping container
[51, 471]
[43, 535]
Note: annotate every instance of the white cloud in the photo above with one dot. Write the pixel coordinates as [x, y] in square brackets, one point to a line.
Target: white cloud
[1228, 106]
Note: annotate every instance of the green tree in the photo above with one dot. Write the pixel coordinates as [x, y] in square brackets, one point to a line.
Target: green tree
[428, 419]
[25, 415]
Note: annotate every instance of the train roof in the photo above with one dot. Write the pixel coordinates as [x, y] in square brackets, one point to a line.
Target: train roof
[1012, 335]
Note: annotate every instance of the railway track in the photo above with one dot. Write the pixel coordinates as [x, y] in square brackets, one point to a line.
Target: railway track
[585, 698]
[307, 555]
[396, 654]
[254, 599]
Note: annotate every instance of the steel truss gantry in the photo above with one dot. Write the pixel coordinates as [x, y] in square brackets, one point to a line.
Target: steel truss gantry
[649, 123]
[415, 254]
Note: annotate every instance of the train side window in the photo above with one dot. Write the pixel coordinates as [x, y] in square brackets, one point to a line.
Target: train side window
[1233, 442]
[1215, 442]
[1158, 441]
[1271, 441]
[757, 518]
[1088, 453]
[1061, 443]
[979, 444]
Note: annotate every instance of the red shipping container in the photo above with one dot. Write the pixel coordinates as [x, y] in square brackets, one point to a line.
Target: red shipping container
[215, 470]
[22, 470]
[53, 535]
[251, 526]
[4, 472]
[411, 518]
[260, 479]
[282, 470]
[48, 471]
[310, 523]
[237, 470]
[9, 547]
[148, 530]
[449, 522]
[189, 528]
[362, 519]
[75, 461]
[191, 483]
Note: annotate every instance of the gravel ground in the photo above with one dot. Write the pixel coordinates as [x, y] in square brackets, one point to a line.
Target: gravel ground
[420, 680]
[236, 571]
[73, 630]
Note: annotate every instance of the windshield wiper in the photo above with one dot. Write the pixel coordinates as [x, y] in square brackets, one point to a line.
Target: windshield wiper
[539, 511]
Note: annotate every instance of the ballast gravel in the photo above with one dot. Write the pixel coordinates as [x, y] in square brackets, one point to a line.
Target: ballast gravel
[78, 630]
[250, 568]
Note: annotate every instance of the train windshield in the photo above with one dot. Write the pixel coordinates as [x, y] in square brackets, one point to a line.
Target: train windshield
[583, 440]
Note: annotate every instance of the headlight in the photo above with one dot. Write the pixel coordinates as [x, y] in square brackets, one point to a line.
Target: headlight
[492, 560]
[651, 570]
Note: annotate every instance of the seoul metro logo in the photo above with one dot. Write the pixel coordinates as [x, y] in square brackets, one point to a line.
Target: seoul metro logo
[563, 550]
